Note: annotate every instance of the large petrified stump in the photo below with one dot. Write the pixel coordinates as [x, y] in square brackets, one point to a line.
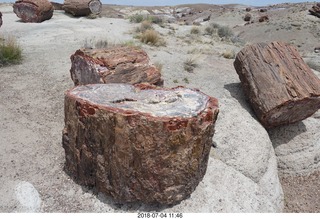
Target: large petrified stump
[119, 64]
[280, 86]
[138, 143]
[82, 7]
[33, 11]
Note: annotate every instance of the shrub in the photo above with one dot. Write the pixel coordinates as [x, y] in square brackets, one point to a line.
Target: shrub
[101, 44]
[151, 37]
[137, 18]
[10, 52]
[195, 30]
[190, 64]
[212, 28]
[145, 25]
[224, 31]
[155, 19]
[229, 54]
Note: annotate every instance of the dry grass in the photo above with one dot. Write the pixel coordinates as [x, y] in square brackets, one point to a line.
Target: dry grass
[190, 64]
[152, 37]
[195, 30]
[144, 26]
[10, 51]
[229, 54]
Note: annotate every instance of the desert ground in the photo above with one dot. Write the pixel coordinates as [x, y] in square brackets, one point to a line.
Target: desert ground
[32, 175]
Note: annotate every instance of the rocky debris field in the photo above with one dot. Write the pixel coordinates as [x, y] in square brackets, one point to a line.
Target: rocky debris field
[250, 168]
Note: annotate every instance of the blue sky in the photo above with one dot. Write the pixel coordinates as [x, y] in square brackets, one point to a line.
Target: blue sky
[177, 2]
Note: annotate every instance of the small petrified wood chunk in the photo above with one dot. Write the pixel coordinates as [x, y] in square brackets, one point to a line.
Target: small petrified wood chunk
[280, 86]
[315, 10]
[79, 8]
[119, 64]
[0, 19]
[33, 11]
[138, 143]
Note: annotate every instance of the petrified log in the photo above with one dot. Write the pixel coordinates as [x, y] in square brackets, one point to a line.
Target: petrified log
[33, 11]
[280, 86]
[315, 10]
[247, 17]
[138, 143]
[82, 7]
[120, 64]
[0, 19]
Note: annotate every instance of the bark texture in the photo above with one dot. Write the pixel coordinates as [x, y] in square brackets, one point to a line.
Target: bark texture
[280, 86]
[138, 143]
[121, 64]
[82, 7]
[33, 11]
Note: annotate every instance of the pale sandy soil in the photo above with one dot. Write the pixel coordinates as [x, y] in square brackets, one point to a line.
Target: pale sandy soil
[32, 95]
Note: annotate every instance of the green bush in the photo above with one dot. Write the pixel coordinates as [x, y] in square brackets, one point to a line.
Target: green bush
[10, 52]
[137, 18]
[226, 32]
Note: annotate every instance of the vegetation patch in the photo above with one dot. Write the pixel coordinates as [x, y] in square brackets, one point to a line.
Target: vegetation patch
[10, 51]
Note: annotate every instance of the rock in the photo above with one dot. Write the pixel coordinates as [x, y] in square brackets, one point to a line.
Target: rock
[79, 8]
[33, 11]
[247, 17]
[316, 50]
[28, 197]
[279, 85]
[0, 19]
[263, 10]
[297, 147]
[138, 143]
[264, 18]
[248, 9]
[315, 10]
[120, 64]
[57, 6]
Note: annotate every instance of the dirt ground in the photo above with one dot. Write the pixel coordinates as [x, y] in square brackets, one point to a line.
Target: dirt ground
[32, 95]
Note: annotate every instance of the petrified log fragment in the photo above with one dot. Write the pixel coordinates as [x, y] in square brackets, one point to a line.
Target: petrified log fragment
[120, 64]
[82, 7]
[33, 11]
[315, 10]
[0, 19]
[138, 143]
[280, 86]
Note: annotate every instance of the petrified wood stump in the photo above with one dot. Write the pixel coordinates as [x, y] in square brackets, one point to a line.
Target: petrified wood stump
[82, 7]
[280, 86]
[33, 11]
[138, 143]
[120, 64]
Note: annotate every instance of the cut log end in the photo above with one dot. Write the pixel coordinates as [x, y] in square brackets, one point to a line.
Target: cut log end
[158, 103]
[138, 143]
[280, 86]
[82, 7]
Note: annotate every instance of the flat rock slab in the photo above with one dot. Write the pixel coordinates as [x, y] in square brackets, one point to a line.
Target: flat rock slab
[279, 85]
[138, 143]
[33, 11]
[120, 64]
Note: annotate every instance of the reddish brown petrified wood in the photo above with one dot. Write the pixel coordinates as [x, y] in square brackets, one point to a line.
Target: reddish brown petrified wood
[120, 64]
[82, 7]
[33, 11]
[280, 86]
[138, 143]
